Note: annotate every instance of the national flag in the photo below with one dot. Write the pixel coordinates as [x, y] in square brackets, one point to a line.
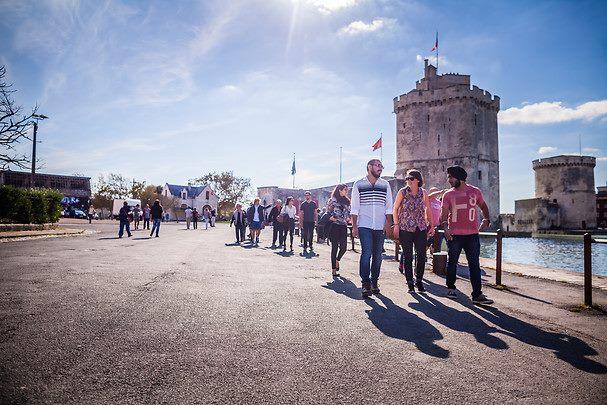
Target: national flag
[293, 171]
[377, 144]
[435, 43]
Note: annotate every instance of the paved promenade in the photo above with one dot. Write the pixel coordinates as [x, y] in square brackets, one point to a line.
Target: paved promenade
[187, 318]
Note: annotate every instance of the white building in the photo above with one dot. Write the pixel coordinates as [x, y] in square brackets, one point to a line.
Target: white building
[199, 197]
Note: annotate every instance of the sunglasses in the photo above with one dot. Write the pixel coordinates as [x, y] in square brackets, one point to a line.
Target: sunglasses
[410, 178]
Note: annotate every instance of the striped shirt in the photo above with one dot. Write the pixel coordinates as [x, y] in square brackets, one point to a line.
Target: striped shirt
[371, 203]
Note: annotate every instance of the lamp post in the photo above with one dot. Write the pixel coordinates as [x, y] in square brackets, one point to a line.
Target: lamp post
[36, 117]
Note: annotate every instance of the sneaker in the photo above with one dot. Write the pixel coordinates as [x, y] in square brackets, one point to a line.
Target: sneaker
[481, 299]
[366, 290]
[335, 273]
[420, 287]
[305, 251]
[451, 293]
[375, 288]
[273, 246]
[411, 288]
[291, 248]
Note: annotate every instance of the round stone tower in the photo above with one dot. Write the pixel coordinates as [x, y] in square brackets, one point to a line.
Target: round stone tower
[569, 181]
[444, 122]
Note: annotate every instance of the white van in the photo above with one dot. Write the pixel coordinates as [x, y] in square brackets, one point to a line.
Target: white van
[119, 202]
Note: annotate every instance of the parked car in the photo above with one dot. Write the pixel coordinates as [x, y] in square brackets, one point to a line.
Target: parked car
[80, 214]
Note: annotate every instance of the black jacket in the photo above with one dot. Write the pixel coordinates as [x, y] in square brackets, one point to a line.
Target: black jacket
[156, 211]
[274, 213]
[235, 219]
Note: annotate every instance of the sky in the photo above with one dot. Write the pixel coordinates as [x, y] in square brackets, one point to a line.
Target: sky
[166, 91]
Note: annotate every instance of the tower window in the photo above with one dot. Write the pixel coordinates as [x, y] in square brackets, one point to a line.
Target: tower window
[474, 119]
[444, 126]
[428, 117]
[480, 175]
[439, 152]
[439, 137]
[404, 125]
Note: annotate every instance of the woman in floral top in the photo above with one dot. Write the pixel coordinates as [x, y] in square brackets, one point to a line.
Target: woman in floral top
[339, 209]
[412, 224]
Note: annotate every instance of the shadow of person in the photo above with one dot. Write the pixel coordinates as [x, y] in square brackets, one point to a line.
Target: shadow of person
[343, 286]
[398, 323]
[109, 238]
[233, 244]
[568, 348]
[461, 321]
[285, 253]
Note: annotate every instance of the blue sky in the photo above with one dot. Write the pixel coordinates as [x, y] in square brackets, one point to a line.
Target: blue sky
[166, 91]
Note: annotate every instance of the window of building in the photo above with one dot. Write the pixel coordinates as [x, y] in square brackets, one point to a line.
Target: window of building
[428, 117]
[208, 195]
[439, 137]
[438, 152]
[474, 119]
[184, 194]
[480, 175]
[404, 125]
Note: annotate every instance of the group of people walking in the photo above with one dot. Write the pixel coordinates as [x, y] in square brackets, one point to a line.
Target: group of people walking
[126, 215]
[192, 216]
[412, 219]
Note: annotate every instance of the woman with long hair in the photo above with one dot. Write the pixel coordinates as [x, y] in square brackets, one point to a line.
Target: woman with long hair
[412, 224]
[288, 213]
[338, 208]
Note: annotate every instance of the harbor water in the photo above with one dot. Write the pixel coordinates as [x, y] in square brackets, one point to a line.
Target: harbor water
[554, 253]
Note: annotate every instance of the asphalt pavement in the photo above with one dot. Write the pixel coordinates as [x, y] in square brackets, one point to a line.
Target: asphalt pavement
[190, 317]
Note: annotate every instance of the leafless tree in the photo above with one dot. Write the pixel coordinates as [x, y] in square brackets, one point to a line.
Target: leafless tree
[14, 126]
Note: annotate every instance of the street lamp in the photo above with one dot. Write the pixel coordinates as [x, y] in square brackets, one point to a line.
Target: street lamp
[36, 117]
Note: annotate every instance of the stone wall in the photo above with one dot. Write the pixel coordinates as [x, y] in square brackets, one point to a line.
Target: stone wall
[448, 124]
[569, 181]
[535, 214]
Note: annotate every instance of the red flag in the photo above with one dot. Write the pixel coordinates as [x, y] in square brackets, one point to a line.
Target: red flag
[377, 144]
[435, 44]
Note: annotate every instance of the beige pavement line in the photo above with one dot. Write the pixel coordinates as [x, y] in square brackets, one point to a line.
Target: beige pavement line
[25, 235]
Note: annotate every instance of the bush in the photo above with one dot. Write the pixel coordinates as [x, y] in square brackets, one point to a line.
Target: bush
[29, 205]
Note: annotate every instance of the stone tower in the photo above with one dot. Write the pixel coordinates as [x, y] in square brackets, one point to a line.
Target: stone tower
[569, 182]
[443, 122]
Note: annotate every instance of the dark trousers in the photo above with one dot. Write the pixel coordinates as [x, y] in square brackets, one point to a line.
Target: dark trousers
[372, 243]
[195, 223]
[240, 231]
[339, 243]
[277, 232]
[124, 224]
[155, 226]
[408, 240]
[146, 223]
[472, 247]
[308, 234]
[289, 227]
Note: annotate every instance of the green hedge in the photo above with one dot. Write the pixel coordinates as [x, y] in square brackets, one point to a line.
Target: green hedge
[26, 206]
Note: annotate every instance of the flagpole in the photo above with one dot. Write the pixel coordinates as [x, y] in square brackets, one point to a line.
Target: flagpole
[436, 52]
[293, 171]
[381, 141]
[340, 151]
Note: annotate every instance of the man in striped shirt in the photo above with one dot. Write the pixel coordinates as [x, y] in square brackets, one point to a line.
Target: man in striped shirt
[371, 212]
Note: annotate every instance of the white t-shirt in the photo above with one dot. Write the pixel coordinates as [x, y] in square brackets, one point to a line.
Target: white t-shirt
[290, 211]
[256, 213]
[188, 213]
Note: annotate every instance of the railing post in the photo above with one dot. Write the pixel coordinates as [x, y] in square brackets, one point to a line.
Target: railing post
[498, 258]
[588, 269]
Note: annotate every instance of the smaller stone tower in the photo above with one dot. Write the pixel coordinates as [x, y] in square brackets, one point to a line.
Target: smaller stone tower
[568, 181]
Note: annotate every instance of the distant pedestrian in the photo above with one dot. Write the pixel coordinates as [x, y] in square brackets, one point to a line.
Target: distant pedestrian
[255, 220]
[276, 220]
[240, 221]
[188, 217]
[412, 224]
[136, 216]
[460, 220]
[288, 212]
[91, 213]
[123, 216]
[206, 217]
[213, 217]
[146, 217]
[338, 210]
[156, 213]
[308, 216]
[195, 215]
[371, 220]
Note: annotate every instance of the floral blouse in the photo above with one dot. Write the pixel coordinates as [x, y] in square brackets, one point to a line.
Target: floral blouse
[339, 211]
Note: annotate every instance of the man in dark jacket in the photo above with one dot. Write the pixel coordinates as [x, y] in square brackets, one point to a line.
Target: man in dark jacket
[276, 225]
[123, 216]
[239, 219]
[255, 220]
[156, 217]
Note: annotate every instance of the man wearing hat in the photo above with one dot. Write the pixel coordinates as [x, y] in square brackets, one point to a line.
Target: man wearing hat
[459, 217]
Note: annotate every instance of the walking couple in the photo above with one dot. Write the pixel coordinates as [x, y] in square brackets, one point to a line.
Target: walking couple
[409, 220]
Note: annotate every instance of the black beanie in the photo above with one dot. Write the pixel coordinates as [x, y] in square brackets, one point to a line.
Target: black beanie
[458, 172]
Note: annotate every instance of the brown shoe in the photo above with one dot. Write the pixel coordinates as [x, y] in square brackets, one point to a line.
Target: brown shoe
[366, 291]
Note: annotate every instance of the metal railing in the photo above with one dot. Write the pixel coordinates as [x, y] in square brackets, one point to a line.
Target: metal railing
[588, 241]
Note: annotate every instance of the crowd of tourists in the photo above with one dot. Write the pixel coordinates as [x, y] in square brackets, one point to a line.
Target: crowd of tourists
[412, 219]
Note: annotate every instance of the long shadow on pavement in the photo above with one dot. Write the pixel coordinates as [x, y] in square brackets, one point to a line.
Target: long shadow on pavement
[394, 321]
[565, 347]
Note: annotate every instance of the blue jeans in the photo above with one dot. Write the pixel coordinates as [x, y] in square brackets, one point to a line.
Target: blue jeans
[124, 224]
[372, 243]
[472, 247]
[155, 226]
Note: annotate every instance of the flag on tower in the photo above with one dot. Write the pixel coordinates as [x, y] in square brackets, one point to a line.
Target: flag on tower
[435, 43]
[377, 144]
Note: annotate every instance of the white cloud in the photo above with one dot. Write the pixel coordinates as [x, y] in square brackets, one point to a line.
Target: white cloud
[546, 150]
[552, 112]
[591, 150]
[432, 60]
[602, 159]
[329, 6]
[360, 27]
